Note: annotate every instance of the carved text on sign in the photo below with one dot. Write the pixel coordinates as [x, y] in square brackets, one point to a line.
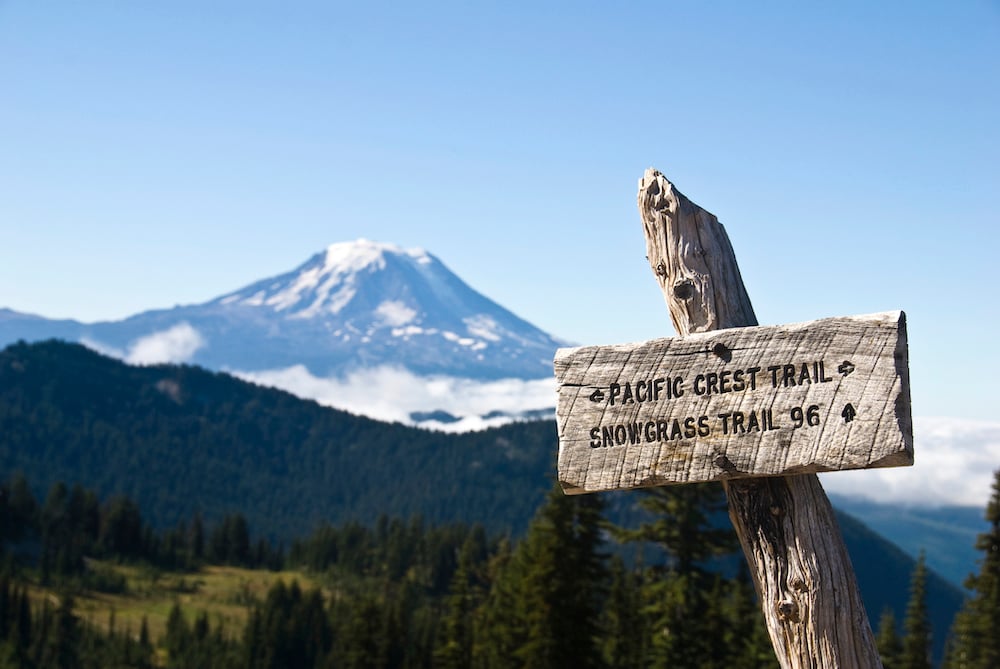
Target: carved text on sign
[831, 394]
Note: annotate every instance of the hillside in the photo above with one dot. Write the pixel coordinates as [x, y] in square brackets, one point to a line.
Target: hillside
[946, 534]
[180, 440]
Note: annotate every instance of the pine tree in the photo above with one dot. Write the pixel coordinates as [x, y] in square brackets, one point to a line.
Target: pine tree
[626, 634]
[60, 646]
[676, 596]
[197, 538]
[890, 645]
[145, 645]
[916, 650]
[495, 629]
[747, 642]
[454, 650]
[364, 647]
[18, 510]
[177, 638]
[974, 642]
[544, 607]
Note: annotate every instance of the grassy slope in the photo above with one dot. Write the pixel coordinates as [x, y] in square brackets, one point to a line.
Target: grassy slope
[224, 593]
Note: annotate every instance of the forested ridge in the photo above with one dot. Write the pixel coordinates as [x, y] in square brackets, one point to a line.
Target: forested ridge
[180, 439]
[195, 449]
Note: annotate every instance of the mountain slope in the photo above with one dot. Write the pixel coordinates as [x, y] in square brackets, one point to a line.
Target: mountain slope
[947, 534]
[181, 439]
[356, 305]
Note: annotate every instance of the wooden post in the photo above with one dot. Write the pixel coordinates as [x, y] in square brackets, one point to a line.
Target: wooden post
[786, 525]
[761, 409]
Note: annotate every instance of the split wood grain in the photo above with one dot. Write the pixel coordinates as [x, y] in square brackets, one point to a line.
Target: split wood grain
[800, 567]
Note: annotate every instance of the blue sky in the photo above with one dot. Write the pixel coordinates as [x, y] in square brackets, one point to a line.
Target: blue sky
[161, 153]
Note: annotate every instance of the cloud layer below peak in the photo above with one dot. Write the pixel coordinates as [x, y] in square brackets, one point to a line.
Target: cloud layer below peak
[954, 461]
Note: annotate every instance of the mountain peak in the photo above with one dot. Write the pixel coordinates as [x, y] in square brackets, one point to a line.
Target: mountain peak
[361, 253]
[327, 282]
[360, 310]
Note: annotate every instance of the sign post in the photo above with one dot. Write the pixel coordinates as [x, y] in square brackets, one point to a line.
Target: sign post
[761, 409]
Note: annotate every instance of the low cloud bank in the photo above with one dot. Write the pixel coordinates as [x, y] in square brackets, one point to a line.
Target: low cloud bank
[173, 345]
[176, 344]
[954, 461]
[392, 394]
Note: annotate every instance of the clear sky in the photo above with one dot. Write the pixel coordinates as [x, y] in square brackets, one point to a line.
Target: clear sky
[161, 153]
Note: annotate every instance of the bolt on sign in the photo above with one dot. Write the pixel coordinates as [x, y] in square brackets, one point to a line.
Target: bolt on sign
[826, 395]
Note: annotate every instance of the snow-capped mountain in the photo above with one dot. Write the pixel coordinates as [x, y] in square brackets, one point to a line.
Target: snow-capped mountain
[366, 326]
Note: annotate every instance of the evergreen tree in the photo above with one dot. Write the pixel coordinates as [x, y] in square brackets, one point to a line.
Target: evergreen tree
[197, 538]
[495, 624]
[888, 641]
[363, 645]
[555, 583]
[60, 644]
[686, 526]
[290, 629]
[177, 638]
[625, 626]
[454, 650]
[145, 644]
[121, 529]
[916, 648]
[18, 510]
[975, 637]
[747, 642]
[688, 523]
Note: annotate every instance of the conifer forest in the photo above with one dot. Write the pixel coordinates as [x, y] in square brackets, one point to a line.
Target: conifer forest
[573, 591]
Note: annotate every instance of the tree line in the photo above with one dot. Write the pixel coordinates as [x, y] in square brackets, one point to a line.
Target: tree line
[574, 591]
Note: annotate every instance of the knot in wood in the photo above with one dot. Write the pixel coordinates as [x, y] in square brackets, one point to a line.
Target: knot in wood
[661, 268]
[788, 610]
[725, 464]
[684, 290]
[723, 352]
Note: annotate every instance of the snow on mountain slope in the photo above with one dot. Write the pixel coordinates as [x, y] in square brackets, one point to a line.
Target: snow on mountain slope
[353, 316]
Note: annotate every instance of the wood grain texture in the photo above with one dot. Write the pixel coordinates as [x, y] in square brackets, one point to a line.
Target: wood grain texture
[827, 395]
[801, 570]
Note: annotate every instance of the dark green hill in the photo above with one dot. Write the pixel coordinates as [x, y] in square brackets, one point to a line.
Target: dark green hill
[181, 439]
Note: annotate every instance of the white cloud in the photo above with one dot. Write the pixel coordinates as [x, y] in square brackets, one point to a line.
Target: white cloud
[392, 394]
[395, 313]
[954, 461]
[483, 326]
[176, 344]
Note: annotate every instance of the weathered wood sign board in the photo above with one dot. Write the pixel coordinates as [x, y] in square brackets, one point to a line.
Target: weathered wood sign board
[827, 395]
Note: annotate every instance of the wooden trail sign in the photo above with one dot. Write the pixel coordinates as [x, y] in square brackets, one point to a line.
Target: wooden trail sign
[785, 524]
[828, 395]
